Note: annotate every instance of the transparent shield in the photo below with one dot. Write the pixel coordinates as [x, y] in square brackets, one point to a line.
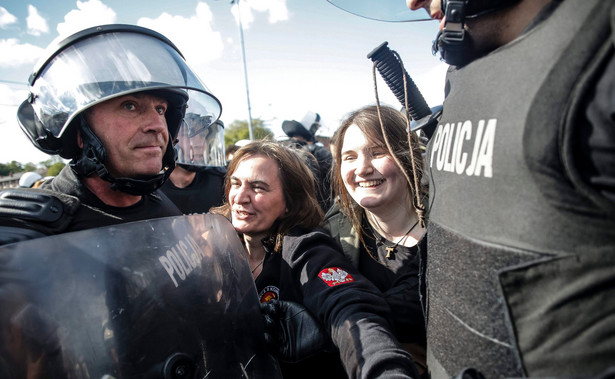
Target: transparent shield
[382, 10]
[137, 300]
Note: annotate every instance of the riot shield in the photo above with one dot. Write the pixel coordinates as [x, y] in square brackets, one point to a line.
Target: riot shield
[165, 298]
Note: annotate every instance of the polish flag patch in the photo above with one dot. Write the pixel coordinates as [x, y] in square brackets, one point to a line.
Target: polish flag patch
[334, 276]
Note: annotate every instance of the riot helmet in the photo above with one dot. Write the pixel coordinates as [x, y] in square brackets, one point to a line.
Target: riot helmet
[99, 64]
[306, 128]
[28, 179]
[200, 143]
[453, 44]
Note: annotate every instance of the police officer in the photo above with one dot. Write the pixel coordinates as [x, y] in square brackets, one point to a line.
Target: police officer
[112, 99]
[197, 183]
[302, 134]
[520, 269]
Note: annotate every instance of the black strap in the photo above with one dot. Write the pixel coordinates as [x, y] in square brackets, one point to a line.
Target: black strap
[27, 213]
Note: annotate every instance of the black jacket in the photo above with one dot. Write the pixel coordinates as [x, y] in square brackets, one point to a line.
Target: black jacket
[311, 271]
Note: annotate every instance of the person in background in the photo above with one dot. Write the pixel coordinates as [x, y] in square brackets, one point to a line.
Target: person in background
[521, 171]
[376, 219]
[197, 182]
[271, 203]
[230, 151]
[302, 134]
[28, 179]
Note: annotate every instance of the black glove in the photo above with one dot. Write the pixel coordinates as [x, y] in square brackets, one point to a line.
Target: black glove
[292, 333]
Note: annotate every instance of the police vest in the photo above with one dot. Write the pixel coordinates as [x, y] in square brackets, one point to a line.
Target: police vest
[521, 257]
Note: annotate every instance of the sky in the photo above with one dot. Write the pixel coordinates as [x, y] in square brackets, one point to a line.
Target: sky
[301, 55]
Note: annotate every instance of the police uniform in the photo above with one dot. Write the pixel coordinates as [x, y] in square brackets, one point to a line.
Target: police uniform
[521, 271]
[205, 191]
[77, 209]
[311, 271]
[94, 213]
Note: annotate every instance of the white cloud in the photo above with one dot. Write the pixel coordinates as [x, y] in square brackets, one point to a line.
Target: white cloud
[193, 36]
[431, 84]
[15, 54]
[36, 23]
[277, 10]
[14, 145]
[12, 96]
[6, 18]
[89, 13]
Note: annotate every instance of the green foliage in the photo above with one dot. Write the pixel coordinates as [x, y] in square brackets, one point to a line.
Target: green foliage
[51, 161]
[8, 168]
[238, 130]
[55, 168]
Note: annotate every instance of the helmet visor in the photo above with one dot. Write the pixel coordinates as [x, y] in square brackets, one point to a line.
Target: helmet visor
[382, 10]
[108, 65]
[200, 141]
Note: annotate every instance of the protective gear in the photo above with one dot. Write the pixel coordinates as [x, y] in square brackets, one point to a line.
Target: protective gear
[380, 10]
[306, 128]
[397, 11]
[171, 298]
[28, 179]
[536, 279]
[32, 213]
[292, 333]
[102, 63]
[452, 41]
[200, 143]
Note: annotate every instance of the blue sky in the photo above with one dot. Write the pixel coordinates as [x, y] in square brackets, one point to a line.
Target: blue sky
[301, 55]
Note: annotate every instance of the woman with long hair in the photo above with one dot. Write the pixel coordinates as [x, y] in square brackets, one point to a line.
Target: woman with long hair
[271, 203]
[378, 217]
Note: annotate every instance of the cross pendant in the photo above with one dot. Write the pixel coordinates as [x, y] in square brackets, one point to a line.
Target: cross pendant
[390, 250]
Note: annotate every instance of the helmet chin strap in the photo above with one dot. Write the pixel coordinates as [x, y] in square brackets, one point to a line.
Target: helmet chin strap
[92, 158]
[452, 41]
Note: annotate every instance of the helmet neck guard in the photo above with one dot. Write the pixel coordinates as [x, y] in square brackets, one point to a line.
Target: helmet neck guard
[92, 157]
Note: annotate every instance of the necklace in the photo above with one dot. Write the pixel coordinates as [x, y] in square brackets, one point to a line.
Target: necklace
[393, 249]
[258, 265]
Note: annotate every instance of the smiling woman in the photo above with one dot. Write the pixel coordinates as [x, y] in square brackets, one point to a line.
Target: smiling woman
[378, 216]
[272, 204]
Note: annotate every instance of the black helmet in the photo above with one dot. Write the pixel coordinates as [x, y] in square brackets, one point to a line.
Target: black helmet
[306, 128]
[98, 64]
[451, 42]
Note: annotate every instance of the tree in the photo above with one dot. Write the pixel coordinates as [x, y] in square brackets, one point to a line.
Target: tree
[238, 130]
[55, 168]
[8, 168]
[51, 161]
[29, 167]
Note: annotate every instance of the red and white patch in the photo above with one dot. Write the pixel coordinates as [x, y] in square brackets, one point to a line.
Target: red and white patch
[334, 276]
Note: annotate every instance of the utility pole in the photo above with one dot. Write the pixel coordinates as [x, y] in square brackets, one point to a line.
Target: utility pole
[245, 69]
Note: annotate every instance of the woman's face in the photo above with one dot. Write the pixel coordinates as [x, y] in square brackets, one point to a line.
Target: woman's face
[256, 195]
[370, 174]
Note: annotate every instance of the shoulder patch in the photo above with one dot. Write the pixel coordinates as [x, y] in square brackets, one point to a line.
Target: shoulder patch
[269, 293]
[334, 276]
